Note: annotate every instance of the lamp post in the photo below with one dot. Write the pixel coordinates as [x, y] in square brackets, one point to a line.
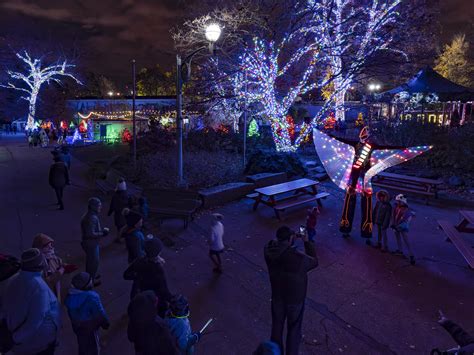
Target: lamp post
[134, 91]
[212, 34]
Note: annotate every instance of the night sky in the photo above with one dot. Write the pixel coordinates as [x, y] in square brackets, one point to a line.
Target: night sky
[104, 35]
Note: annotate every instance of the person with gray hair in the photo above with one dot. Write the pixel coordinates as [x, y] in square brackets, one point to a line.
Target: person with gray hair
[91, 234]
[31, 309]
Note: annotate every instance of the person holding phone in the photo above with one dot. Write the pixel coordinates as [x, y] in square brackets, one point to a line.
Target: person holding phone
[288, 268]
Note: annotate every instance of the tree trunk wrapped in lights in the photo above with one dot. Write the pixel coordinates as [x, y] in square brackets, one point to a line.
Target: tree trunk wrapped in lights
[35, 77]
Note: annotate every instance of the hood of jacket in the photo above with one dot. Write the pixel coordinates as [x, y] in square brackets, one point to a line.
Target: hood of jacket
[274, 249]
[76, 298]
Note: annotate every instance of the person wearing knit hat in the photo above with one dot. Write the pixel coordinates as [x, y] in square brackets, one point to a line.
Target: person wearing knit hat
[30, 307]
[134, 238]
[148, 273]
[32, 260]
[86, 312]
[216, 241]
[54, 266]
[153, 246]
[120, 200]
[91, 233]
[401, 218]
[177, 319]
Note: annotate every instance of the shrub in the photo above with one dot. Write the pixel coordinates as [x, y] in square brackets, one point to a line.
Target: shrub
[273, 162]
[453, 148]
[201, 169]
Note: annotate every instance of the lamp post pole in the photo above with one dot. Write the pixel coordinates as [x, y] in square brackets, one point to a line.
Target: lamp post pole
[212, 33]
[179, 119]
[133, 117]
[245, 122]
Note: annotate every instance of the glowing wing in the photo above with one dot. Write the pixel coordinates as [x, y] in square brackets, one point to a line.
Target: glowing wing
[337, 157]
[386, 158]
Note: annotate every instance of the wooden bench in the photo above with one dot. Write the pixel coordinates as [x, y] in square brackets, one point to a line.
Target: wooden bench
[454, 236]
[174, 204]
[266, 179]
[410, 184]
[297, 201]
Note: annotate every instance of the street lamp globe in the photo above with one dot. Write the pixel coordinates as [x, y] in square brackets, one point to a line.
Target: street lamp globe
[110, 93]
[213, 32]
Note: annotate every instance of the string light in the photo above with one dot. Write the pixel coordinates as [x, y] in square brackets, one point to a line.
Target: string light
[34, 79]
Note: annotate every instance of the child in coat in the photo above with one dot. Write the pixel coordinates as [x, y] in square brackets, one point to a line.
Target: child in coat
[86, 313]
[401, 218]
[216, 242]
[311, 222]
[381, 216]
[177, 320]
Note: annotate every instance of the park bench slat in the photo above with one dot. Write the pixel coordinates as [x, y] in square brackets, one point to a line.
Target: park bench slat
[458, 242]
[416, 179]
[403, 188]
[252, 196]
[292, 201]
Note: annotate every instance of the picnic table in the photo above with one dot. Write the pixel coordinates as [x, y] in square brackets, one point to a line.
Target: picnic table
[304, 190]
[411, 184]
[467, 218]
[454, 236]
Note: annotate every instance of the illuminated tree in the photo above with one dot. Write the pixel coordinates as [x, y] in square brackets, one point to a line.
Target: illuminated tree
[35, 77]
[350, 34]
[453, 63]
[266, 65]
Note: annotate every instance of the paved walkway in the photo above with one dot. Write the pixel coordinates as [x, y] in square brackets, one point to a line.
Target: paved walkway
[359, 300]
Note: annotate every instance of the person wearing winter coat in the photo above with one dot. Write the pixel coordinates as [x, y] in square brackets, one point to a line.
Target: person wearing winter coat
[288, 270]
[58, 179]
[464, 340]
[134, 238]
[54, 266]
[120, 201]
[216, 242]
[147, 331]
[86, 313]
[401, 218]
[91, 233]
[31, 309]
[149, 275]
[177, 319]
[381, 216]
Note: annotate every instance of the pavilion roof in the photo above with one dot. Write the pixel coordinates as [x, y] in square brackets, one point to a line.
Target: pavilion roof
[429, 81]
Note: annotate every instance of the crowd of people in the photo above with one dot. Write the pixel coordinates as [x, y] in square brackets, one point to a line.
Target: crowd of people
[158, 319]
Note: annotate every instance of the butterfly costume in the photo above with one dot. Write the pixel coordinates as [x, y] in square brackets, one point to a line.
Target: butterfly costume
[352, 164]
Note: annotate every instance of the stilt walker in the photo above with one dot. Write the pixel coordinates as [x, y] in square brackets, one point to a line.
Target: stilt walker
[351, 166]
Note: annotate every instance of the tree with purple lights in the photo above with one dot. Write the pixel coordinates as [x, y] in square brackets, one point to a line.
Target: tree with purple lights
[273, 80]
[351, 34]
[35, 76]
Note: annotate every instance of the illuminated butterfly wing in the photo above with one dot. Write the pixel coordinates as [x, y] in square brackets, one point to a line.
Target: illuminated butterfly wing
[386, 158]
[337, 157]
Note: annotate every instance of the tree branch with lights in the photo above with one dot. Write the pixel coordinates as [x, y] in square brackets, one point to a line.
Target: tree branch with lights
[34, 78]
